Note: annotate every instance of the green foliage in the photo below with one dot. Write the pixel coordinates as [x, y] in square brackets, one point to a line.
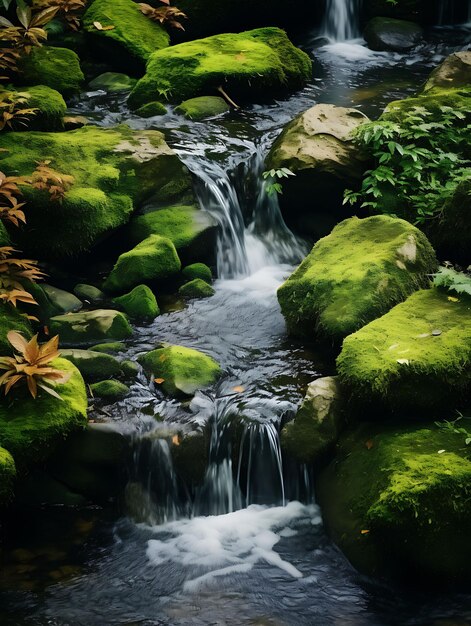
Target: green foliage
[419, 159]
[454, 427]
[450, 279]
[271, 177]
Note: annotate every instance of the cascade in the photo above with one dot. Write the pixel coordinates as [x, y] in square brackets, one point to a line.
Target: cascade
[341, 20]
[454, 12]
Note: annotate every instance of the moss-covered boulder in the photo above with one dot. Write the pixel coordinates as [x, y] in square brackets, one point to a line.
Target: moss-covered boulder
[151, 109]
[58, 68]
[196, 288]
[154, 259]
[139, 304]
[49, 104]
[354, 275]
[317, 147]
[192, 231]
[130, 369]
[7, 477]
[89, 293]
[11, 319]
[89, 327]
[397, 502]
[198, 270]
[316, 426]
[389, 34]
[248, 65]
[93, 366]
[110, 390]
[112, 82]
[180, 371]
[30, 429]
[454, 72]
[133, 36]
[417, 356]
[203, 107]
[114, 170]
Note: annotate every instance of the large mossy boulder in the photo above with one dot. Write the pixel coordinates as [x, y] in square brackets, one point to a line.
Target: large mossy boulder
[90, 327]
[317, 146]
[30, 429]
[397, 502]
[192, 231]
[49, 104]
[201, 108]
[128, 37]
[248, 65]
[454, 72]
[180, 371]
[153, 260]
[57, 68]
[417, 356]
[389, 34]
[114, 170]
[354, 275]
[7, 477]
[93, 366]
[139, 304]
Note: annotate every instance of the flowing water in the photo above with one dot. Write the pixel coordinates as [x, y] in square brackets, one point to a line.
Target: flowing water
[246, 544]
[342, 20]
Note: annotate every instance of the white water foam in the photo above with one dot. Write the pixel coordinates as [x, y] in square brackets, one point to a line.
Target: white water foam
[231, 543]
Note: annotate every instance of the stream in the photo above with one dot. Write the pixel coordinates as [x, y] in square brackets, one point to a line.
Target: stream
[248, 546]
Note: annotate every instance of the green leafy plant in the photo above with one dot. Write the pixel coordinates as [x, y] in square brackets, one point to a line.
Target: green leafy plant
[450, 279]
[272, 178]
[31, 365]
[165, 15]
[456, 427]
[418, 162]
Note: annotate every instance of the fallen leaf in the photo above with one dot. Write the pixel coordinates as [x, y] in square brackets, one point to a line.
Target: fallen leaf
[403, 361]
[441, 451]
[364, 532]
[369, 444]
[176, 440]
[46, 330]
[159, 381]
[99, 26]
[452, 299]
[238, 389]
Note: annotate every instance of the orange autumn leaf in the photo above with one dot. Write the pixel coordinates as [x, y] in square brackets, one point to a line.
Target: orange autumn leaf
[159, 381]
[364, 532]
[176, 440]
[369, 444]
[238, 389]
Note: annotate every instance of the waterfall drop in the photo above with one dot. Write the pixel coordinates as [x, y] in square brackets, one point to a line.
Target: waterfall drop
[341, 20]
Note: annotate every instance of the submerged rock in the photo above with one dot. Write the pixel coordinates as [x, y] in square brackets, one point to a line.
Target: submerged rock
[248, 65]
[49, 104]
[203, 107]
[396, 501]
[180, 371]
[139, 304]
[317, 146]
[93, 365]
[196, 288]
[88, 327]
[111, 390]
[455, 71]
[416, 356]
[112, 82]
[354, 275]
[58, 68]
[389, 34]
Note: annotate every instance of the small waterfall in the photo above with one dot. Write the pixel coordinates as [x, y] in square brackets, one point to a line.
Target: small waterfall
[342, 20]
[454, 12]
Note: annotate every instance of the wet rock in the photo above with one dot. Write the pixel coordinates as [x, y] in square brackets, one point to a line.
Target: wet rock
[89, 293]
[455, 71]
[39, 488]
[139, 304]
[61, 301]
[93, 366]
[196, 288]
[57, 68]
[112, 82]
[317, 147]
[389, 34]
[203, 107]
[109, 390]
[198, 270]
[88, 327]
[354, 275]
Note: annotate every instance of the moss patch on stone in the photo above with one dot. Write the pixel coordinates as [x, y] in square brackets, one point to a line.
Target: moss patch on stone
[417, 355]
[93, 365]
[250, 64]
[49, 103]
[58, 68]
[203, 107]
[88, 327]
[154, 259]
[111, 390]
[151, 109]
[109, 347]
[7, 477]
[11, 319]
[198, 270]
[196, 288]
[139, 304]
[183, 370]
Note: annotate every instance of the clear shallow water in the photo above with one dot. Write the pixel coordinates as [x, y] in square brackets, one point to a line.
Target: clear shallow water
[257, 565]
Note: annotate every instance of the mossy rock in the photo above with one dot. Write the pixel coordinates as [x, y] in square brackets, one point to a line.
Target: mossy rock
[397, 502]
[203, 107]
[58, 68]
[133, 34]
[50, 105]
[192, 231]
[11, 319]
[390, 34]
[112, 82]
[114, 171]
[30, 429]
[111, 390]
[130, 369]
[433, 101]
[139, 304]
[454, 72]
[89, 327]
[250, 65]
[151, 109]
[93, 366]
[154, 259]
[61, 301]
[354, 275]
[183, 370]
[417, 356]
[198, 270]
[109, 347]
[7, 477]
[89, 293]
[196, 288]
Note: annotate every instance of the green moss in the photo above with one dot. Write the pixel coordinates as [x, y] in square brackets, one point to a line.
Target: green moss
[409, 489]
[151, 110]
[89, 293]
[417, 355]
[251, 64]
[132, 30]
[109, 347]
[198, 270]
[111, 390]
[11, 319]
[93, 365]
[30, 429]
[183, 370]
[7, 477]
[50, 106]
[113, 170]
[58, 68]
[433, 101]
[112, 82]
[88, 327]
[153, 259]
[139, 304]
[355, 274]
[203, 107]
[130, 369]
[196, 288]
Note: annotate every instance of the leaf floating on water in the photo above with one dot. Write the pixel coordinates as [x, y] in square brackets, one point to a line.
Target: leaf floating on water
[238, 389]
[436, 333]
[369, 444]
[159, 381]
[403, 361]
